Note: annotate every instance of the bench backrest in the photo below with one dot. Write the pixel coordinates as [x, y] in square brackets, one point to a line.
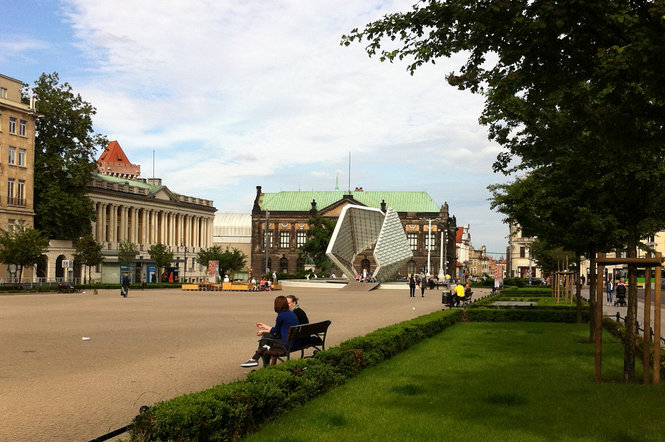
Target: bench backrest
[306, 330]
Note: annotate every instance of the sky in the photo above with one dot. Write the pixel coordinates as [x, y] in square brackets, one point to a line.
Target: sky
[229, 95]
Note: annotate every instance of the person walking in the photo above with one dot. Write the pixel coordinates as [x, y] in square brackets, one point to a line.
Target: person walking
[609, 289]
[423, 285]
[124, 289]
[412, 285]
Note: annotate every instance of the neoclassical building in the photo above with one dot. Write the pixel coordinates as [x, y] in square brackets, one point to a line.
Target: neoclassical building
[144, 212]
[279, 227]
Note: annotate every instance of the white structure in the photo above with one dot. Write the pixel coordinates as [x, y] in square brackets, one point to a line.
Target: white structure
[519, 261]
[360, 228]
[234, 230]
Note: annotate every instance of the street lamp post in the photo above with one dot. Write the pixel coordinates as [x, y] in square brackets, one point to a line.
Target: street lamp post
[184, 269]
[429, 240]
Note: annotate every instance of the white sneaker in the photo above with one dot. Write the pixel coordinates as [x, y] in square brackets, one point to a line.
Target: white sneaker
[250, 363]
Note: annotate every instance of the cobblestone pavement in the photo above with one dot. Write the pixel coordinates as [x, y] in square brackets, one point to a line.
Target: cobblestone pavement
[55, 385]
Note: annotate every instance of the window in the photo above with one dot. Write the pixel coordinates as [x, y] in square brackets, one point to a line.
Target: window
[413, 240]
[522, 252]
[20, 193]
[12, 125]
[21, 157]
[11, 225]
[21, 127]
[12, 155]
[268, 239]
[3, 92]
[301, 238]
[10, 191]
[430, 241]
[284, 240]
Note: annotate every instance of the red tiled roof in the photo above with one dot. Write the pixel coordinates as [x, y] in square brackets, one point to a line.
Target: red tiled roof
[113, 154]
[459, 233]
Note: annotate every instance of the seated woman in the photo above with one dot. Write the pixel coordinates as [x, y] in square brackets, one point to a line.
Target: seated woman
[274, 336]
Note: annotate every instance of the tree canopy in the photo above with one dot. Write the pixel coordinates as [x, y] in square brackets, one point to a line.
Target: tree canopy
[575, 87]
[231, 260]
[126, 252]
[22, 246]
[162, 256]
[65, 148]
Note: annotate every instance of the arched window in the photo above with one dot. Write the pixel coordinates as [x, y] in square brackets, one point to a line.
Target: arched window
[300, 264]
[284, 265]
[411, 267]
[365, 264]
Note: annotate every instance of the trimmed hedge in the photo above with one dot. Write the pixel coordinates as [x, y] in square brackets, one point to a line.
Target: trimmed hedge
[532, 314]
[229, 411]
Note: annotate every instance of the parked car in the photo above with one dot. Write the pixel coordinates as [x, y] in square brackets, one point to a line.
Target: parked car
[535, 281]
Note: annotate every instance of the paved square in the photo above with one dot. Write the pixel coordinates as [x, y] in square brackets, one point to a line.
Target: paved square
[152, 346]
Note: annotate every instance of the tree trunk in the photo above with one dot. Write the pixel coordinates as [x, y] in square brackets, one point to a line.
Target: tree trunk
[631, 315]
[592, 296]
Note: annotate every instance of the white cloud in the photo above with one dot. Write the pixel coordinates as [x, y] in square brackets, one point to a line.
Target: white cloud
[239, 93]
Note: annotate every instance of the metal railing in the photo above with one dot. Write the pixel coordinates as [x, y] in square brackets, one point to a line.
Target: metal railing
[119, 431]
[638, 329]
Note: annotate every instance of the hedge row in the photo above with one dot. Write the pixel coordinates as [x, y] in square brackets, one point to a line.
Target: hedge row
[532, 314]
[229, 411]
[618, 330]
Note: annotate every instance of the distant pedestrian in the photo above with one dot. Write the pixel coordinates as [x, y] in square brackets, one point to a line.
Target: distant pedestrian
[609, 289]
[124, 289]
[412, 285]
[423, 285]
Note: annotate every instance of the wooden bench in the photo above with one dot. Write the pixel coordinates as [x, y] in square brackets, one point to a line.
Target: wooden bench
[316, 331]
[67, 288]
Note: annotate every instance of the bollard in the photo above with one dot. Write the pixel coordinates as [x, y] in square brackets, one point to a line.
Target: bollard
[618, 317]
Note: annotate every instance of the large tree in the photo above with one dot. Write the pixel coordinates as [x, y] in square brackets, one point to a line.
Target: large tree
[22, 247]
[569, 80]
[162, 256]
[318, 237]
[65, 148]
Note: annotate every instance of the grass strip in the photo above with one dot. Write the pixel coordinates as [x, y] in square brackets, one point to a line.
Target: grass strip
[485, 381]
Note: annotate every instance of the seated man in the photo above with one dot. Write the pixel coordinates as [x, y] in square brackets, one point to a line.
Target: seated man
[459, 294]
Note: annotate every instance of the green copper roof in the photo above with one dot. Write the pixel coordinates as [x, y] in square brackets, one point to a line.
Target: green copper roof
[112, 179]
[302, 201]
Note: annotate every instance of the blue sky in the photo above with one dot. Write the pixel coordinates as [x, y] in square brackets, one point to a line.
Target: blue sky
[234, 94]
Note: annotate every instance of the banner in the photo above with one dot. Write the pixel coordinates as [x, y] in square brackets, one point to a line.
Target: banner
[213, 271]
[498, 276]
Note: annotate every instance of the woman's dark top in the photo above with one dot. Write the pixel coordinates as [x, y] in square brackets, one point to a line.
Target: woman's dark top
[302, 316]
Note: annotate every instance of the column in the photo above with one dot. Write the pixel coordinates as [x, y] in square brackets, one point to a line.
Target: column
[135, 225]
[145, 219]
[188, 230]
[113, 223]
[197, 231]
[101, 223]
[172, 228]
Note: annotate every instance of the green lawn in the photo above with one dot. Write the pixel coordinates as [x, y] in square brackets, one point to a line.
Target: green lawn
[485, 382]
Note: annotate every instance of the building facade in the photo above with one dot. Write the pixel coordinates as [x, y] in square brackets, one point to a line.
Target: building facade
[143, 212]
[17, 155]
[17, 159]
[279, 228]
[519, 261]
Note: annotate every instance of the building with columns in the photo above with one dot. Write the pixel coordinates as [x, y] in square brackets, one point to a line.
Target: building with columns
[144, 212]
[279, 228]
